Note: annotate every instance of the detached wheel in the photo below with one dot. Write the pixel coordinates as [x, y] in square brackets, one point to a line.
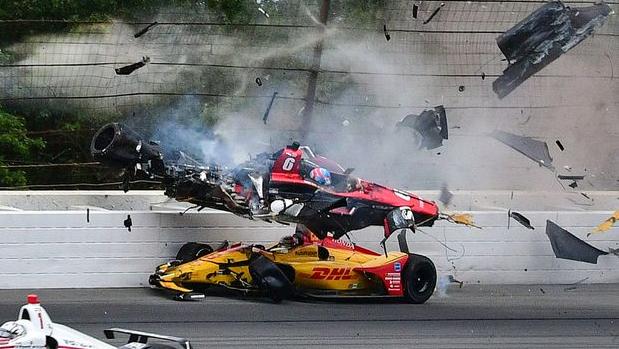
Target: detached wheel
[419, 279]
[192, 250]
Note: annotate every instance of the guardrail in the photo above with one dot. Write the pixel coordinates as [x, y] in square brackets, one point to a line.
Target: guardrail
[90, 247]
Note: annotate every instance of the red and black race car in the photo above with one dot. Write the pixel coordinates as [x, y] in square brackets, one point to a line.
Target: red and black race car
[293, 185]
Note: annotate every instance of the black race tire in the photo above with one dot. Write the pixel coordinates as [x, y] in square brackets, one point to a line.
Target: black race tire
[192, 250]
[419, 279]
[270, 278]
[276, 297]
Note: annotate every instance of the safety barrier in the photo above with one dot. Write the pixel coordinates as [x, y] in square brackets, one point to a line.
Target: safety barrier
[89, 246]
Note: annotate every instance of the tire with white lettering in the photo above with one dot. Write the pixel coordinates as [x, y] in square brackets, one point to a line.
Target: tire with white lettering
[419, 278]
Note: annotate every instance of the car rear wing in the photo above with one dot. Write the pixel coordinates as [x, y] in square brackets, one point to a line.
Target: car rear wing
[142, 337]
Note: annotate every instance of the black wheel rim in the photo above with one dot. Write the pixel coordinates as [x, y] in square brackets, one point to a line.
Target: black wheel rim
[422, 279]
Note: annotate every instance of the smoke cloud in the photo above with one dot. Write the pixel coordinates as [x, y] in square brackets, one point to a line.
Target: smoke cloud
[366, 85]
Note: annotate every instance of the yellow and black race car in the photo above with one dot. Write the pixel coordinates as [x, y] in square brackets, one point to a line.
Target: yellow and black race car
[299, 265]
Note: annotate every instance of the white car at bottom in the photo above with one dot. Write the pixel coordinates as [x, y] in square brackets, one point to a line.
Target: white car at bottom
[34, 329]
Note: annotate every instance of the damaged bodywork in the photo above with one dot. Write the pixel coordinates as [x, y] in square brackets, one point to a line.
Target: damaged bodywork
[520, 218]
[567, 246]
[542, 37]
[527, 146]
[128, 69]
[430, 125]
[607, 224]
[277, 187]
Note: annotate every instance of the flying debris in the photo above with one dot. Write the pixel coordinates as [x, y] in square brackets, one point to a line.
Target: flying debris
[128, 223]
[387, 36]
[571, 177]
[521, 219]
[143, 31]
[128, 69]
[460, 218]
[445, 196]
[542, 37]
[567, 246]
[258, 81]
[452, 279]
[607, 224]
[268, 111]
[558, 142]
[575, 284]
[263, 12]
[434, 13]
[431, 125]
[461, 88]
[415, 10]
[527, 146]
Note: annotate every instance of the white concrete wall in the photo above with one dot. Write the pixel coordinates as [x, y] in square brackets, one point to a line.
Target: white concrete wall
[62, 249]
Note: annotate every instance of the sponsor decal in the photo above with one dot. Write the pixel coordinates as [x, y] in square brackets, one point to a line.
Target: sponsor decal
[393, 281]
[320, 273]
[397, 266]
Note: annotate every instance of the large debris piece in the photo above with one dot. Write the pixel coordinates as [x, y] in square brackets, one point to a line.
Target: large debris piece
[567, 246]
[268, 110]
[431, 125]
[145, 29]
[434, 13]
[527, 146]
[128, 69]
[387, 36]
[542, 37]
[518, 217]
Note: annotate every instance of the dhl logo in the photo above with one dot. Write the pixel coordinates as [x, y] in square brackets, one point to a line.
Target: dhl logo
[331, 274]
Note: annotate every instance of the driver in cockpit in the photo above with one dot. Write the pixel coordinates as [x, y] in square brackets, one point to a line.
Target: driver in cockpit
[320, 175]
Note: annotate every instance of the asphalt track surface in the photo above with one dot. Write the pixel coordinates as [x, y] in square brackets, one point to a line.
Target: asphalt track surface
[474, 316]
